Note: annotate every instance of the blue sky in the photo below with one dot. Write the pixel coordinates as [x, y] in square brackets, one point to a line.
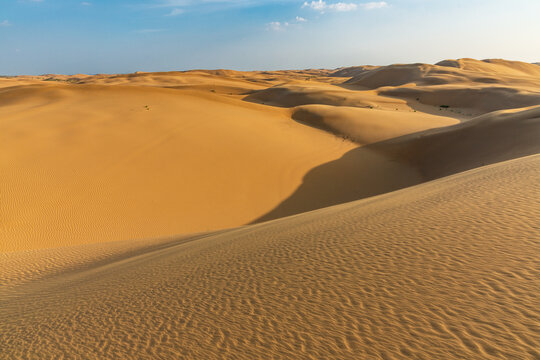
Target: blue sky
[112, 36]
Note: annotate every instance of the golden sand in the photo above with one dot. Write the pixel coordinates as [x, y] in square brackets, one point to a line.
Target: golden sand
[444, 270]
[102, 174]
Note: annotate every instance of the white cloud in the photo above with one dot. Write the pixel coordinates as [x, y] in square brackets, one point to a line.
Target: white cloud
[281, 26]
[343, 6]
[375, 5]
[316, 5]
[277, 26]
[322, 6]
[5, 23]
[176, 12]
[86, 3]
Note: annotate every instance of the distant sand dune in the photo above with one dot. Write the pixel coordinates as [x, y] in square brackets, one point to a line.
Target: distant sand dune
[496, 66]
[448, 72]
[367, 126]
[370, 212]
[95, 163]
[410, 159]
[487, 139]
[90, 159]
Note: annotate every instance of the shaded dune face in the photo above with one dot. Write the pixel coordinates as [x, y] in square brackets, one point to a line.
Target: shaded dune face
[407, 160]
[494, 137]
[480, 100]
[116, 157]
[371, 212]
[94, 163]
[443, 270]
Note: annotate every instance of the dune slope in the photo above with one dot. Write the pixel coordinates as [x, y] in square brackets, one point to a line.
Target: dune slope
[90, 159]
[119, 157]
[444, 270]
[97, 163]
[406, 160]
[490, 138]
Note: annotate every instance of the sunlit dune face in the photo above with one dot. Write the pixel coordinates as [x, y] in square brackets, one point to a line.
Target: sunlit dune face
[372, 212]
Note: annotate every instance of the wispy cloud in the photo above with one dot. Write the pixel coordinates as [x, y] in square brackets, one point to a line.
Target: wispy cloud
[323, 6]
[176, 12]
[86, 3]
[179, 7]
[177, 3]
[281, 26]
[5, 23]
[207, 5]
[173, 3]
[277, 26]
[375, 5]
[199, 3]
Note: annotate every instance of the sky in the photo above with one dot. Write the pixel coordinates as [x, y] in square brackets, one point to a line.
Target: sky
[122, 36]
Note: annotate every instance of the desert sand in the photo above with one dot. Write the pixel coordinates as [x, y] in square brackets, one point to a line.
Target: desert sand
[373, 212]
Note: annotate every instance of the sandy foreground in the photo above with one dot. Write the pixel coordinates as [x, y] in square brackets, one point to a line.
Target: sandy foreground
[444, 270]
[367, 212]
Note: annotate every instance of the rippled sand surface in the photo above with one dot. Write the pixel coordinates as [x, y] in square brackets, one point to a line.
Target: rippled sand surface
[448, 269]
[371, 212]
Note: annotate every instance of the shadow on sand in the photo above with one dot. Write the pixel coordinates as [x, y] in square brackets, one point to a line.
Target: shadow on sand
[410, 160]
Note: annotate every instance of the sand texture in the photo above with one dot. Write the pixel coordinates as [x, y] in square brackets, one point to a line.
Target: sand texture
[370, 212]
[444, 270]
[102, 158]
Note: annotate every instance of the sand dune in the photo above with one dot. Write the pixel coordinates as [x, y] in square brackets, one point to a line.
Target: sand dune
[465, 88]
[475, 100]
[94, 163]
[490, 138]
[366, 126]
[448, 72]
[102, 158]
[406, 160]
[465, 85]
[370, 212]
[495, 66]
[443, 270]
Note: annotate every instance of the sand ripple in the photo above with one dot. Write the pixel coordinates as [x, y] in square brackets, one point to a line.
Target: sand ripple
[444, 270]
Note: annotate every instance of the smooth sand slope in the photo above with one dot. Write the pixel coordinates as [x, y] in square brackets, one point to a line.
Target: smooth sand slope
[444, 270]
[124, 201]
[94, 163]
[89, 159]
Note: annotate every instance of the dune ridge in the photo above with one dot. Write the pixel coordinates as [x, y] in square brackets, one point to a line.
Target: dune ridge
[407, 160]
[102, 158]
[369, 212]
[431, 271]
